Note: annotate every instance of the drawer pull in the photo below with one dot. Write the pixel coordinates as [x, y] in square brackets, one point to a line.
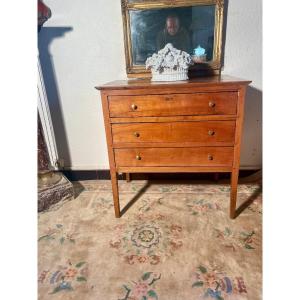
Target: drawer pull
[133, 107]
[136, 134]
[138, 157]
[211, 104]
[210, 157]
[211, 132]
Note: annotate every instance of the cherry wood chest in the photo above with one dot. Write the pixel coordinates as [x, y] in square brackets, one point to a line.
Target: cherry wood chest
[184, 126]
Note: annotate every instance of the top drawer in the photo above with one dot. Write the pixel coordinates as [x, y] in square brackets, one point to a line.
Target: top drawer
[223, 103]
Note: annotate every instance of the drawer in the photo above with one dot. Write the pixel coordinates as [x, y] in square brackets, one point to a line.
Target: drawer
[206, 132]
[222, 103]
[173, 157]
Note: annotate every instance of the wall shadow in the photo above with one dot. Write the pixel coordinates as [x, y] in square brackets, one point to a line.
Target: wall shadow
[252, 128]
[45, 37]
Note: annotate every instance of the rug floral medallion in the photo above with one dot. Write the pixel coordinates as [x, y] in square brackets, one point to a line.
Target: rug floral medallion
[175, 241]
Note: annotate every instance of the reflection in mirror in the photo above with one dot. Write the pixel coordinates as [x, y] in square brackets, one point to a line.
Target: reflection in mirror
[188, 28]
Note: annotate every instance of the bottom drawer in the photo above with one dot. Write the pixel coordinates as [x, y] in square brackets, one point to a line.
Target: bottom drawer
[158, 157]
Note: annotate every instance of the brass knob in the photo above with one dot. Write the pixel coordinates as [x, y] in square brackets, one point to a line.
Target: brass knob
[211, 132]
[138, 157]
[210, 157]
[134, 107]
[211, 104]
[136, 134]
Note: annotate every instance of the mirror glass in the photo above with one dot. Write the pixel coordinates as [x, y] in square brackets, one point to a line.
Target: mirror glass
[189, 28]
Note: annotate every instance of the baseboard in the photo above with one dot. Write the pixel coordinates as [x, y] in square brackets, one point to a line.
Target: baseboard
[73, 175]
[105, 167]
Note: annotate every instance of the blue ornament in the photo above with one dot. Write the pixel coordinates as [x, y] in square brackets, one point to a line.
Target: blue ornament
[199, 51]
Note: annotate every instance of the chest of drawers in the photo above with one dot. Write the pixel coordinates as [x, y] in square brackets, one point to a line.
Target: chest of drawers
[187, 126]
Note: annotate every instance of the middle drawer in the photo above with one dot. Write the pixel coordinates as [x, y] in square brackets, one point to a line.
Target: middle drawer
[206, 132]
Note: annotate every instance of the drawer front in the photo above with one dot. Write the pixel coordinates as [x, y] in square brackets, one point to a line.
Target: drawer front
[173, 157]
[222, 103]
[206, 132]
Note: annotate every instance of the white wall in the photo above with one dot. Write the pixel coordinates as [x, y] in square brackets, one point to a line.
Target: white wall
[81, 46]
[243, 58]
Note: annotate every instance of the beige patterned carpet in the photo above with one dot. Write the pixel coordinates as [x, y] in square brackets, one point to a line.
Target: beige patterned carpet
[174, 242]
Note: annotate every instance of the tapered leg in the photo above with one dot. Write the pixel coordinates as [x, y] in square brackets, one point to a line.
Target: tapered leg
[237, 150]
[127, 177]
[115, 190]
[233, 192]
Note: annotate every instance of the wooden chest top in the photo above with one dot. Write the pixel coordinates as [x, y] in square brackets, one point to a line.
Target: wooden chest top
[222, 80]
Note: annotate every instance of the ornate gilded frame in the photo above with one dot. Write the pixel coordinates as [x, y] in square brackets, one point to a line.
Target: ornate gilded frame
[211, 67]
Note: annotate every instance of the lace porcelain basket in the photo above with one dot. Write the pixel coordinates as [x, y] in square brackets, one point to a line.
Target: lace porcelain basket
[169, 64]
[168, 74]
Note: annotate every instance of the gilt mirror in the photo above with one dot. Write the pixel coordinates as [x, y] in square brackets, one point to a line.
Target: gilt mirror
[194, 26]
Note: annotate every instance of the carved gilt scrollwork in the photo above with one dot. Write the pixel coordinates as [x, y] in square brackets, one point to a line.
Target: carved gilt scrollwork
[220, 3]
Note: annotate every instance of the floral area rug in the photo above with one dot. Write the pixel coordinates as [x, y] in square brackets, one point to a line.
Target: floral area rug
[174, 242]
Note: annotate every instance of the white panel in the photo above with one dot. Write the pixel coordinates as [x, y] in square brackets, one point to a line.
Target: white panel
[46, 121]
